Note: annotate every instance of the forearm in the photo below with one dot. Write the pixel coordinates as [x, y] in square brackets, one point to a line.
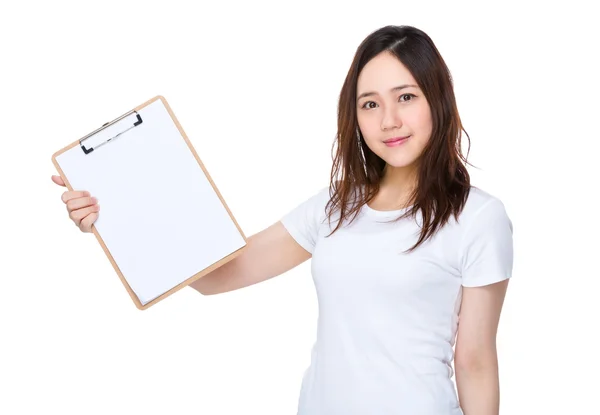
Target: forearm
[208, 283]
[479, 389]
[268, 253]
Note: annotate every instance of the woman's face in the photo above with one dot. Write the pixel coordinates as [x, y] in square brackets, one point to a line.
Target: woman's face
[387, 108]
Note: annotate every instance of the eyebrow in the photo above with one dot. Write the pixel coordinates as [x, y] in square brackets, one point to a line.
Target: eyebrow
[397, 88]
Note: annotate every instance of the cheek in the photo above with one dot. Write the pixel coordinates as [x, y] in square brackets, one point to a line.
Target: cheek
[363, 122]
[423, 119]
[418, 119]
[369, 126]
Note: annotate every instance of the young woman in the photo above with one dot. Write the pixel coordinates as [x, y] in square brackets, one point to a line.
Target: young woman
[402, 247]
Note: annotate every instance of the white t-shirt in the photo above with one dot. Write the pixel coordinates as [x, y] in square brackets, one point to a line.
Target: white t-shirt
[387, 321]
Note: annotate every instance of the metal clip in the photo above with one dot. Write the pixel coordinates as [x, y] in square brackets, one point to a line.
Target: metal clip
[108, 124]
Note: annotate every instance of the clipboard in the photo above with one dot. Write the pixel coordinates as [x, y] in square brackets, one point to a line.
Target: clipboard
[163, 223]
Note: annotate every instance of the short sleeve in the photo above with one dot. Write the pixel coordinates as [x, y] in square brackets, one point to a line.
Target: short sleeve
[304, 220]
[487, 246]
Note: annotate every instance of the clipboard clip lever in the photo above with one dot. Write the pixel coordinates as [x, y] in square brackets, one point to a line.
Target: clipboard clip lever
[108, 124]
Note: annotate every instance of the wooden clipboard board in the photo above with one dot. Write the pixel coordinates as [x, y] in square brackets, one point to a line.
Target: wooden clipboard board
[148, 136]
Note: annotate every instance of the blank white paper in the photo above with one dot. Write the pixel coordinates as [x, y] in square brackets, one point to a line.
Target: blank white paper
[160, 218]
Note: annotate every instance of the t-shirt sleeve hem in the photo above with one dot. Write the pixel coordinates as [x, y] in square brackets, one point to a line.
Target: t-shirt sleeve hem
[297, 235]
[481, 282]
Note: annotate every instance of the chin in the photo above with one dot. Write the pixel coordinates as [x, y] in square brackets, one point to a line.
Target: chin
[399, 160]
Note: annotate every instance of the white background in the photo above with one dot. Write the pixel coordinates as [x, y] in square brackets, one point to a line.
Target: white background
[255, 87]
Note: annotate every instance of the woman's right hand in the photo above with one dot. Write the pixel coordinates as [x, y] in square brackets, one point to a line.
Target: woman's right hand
[83, 209]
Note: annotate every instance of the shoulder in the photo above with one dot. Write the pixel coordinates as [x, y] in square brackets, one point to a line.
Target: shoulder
[480, 201]
[485, 240]
[483, 210]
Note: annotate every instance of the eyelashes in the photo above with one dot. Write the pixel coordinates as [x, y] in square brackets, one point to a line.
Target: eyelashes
[364, 106]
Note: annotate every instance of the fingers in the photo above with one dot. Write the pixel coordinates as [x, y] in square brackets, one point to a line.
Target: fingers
[84, 218]
[58, 180]
[87, 222]
[83, 209]
[78, 215]
[68, 195]
[75, 194]
[80, 203]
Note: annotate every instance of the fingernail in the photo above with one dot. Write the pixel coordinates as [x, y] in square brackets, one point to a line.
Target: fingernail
[94, 200]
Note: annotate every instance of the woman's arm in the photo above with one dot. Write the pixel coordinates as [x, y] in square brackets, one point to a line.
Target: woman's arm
[268, 253]
[476, 360]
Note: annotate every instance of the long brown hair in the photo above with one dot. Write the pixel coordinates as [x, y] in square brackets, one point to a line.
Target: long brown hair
[443, 182]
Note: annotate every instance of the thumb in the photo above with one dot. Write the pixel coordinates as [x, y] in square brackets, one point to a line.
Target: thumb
[58, 180]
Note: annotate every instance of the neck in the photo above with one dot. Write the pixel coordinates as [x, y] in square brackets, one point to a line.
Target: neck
[399, 178]
[397, 185]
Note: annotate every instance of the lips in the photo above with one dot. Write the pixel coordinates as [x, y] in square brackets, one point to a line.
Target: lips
[395, 139]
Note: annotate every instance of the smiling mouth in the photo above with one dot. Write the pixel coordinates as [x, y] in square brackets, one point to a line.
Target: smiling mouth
[395, 139]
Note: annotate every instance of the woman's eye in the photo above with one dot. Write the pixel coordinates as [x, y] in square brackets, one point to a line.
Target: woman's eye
[366, 105]
[370, 104]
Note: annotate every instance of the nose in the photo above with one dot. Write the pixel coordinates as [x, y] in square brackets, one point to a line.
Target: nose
[391, 119]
